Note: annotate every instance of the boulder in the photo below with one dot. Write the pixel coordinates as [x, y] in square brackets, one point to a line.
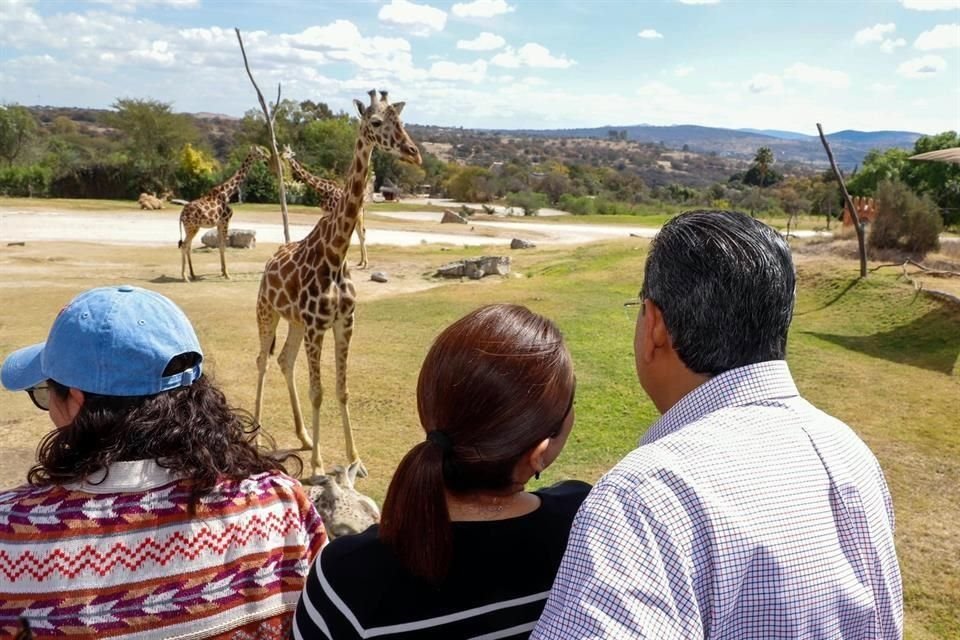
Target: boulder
[452, 216]
[517, 243]
[236, 238]
[476, 268]
[378, 276]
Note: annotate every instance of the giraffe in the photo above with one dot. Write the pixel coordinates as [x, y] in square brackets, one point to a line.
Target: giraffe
[212, 209]
[308, 284]
[330, 194]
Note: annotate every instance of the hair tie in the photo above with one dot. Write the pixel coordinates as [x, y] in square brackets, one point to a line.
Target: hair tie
[440, 439]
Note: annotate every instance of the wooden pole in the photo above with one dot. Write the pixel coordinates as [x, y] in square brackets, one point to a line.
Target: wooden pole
[270, 115]
[846, 197]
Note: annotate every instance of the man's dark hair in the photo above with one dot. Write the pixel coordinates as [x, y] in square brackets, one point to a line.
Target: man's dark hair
[726, 286]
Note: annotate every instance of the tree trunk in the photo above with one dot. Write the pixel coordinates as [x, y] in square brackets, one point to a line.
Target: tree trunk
[846, 197]
[274, 155]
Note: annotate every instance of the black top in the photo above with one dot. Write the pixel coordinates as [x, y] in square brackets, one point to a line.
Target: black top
[498, 582]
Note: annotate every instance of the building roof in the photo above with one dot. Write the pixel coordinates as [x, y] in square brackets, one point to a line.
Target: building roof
[943, 155]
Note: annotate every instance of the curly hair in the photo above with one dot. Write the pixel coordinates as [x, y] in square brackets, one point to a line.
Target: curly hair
[192, 431]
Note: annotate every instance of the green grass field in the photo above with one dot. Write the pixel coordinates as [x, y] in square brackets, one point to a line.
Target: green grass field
[873, 353]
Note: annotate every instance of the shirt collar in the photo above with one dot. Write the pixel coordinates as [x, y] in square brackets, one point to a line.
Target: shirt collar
[126, 477]
[741, 386]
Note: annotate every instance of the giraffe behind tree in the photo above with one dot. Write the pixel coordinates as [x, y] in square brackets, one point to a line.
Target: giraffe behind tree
[212, 209]
[330, 194]
[308, 284]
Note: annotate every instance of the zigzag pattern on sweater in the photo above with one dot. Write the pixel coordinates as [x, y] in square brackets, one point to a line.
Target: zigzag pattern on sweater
[235, 535]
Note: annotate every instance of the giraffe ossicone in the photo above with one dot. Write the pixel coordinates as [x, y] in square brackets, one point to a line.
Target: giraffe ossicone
[307, 283]
[212, 209]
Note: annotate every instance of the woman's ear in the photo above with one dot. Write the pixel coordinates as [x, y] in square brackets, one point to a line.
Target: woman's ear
[534, 460]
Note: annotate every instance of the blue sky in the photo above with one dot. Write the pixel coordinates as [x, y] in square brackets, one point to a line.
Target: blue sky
[505, 63]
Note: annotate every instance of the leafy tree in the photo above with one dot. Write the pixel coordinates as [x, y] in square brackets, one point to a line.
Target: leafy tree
[195, 173]
[763, 161]
[470, 184]
[878, 166]
[17, 128]
[329, 144]
[153, 136]
[940, 180]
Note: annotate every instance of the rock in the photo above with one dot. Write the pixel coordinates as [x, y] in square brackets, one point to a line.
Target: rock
[476, 268]
[378, 276]
[452, 216]
[236, 238]
[517, 243]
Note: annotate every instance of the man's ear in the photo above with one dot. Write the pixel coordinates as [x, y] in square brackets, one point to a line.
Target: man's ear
[76, 396]
[655, 334]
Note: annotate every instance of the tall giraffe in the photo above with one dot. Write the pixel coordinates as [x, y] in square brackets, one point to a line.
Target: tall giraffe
[308, 282]
[212, 209]
[330, 194]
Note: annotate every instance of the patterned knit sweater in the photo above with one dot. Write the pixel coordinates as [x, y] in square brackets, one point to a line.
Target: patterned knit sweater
[123, 558]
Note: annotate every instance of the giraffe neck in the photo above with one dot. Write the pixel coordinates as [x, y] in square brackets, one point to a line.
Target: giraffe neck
[329, 192]
[334, 232]
[231, 184]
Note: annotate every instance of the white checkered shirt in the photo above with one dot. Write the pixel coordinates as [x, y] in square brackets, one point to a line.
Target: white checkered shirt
[745, 513]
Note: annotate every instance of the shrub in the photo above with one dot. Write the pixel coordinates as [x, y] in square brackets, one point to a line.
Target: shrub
[529, 201]
[904, 220]
[29, 181]
[577, 205]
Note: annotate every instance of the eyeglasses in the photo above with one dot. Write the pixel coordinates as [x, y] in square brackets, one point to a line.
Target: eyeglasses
[40, 394]
[633, 308]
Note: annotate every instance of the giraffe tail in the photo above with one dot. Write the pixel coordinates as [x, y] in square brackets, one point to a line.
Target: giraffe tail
[273, 344]
[180, 229]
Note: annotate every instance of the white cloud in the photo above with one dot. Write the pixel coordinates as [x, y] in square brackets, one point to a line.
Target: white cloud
[765, 83]
[682, 71]
[475, 72]
[716, 84]
[481, 9]
[421, 19]
[809, 74]
[881, 87]
[133, 5]
[486, 41]
[930, 5]
[158, 53]
[530, 55]
[875, 33]
[650, 34]
[923, 67]
[888, 46]
[942, 36]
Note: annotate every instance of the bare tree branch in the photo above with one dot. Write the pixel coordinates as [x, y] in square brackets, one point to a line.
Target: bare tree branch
[270, 115]
[846, 196]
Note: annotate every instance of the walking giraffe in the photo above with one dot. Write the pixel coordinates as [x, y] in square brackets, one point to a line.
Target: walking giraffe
[308, 284]
[330, 194]
[212, 209]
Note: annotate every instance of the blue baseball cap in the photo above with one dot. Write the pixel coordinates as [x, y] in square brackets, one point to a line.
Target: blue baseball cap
[113, 341]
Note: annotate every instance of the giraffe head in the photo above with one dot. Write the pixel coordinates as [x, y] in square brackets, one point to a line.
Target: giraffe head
[380, 125]
[287, 152]
[343, 509]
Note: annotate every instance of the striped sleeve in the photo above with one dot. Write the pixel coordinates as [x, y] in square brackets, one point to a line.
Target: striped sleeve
[321, 614]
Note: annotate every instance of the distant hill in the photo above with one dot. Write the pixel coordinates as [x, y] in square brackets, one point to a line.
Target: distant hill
[849, 147]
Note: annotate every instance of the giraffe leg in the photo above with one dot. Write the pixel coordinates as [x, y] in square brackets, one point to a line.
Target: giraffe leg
[222, 231]
[267, 320]
[314, 349]
[362, 235]
[185, 259]
[288, 361]
[343, 332]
